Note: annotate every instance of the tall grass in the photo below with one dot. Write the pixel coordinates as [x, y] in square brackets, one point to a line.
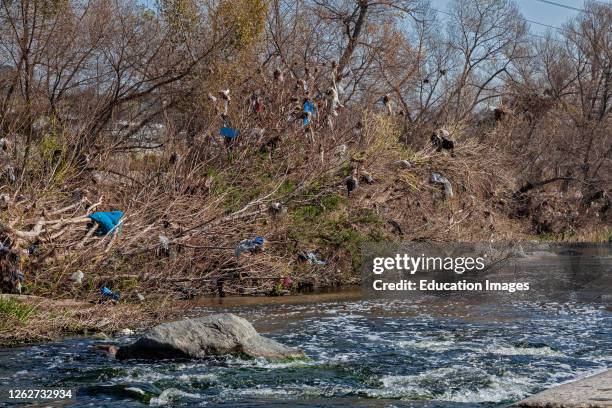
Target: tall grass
[11, 309]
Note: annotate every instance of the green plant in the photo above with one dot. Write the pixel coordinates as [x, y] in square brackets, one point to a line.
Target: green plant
[11, 308]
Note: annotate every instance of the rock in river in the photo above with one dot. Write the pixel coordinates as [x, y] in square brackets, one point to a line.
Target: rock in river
[216, 334]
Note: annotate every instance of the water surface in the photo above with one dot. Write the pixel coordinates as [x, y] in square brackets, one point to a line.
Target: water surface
[364, 353]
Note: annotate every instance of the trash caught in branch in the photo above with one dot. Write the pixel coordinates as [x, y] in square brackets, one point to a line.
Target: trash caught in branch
[250, 245]
[107, 221]
[229, 133]
[77, 277]
[311, 258]
[440, 179]
[309, 111]
[107, 293]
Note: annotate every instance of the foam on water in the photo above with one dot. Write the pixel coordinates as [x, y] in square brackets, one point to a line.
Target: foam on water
[525, 351]
[427, 344]
[136, 390]
[499, 389]
[171, 394]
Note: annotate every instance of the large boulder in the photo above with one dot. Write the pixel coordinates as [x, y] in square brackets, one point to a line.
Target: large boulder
[206, 336]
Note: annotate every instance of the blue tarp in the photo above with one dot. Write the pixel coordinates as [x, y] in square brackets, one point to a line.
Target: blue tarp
[107, 221]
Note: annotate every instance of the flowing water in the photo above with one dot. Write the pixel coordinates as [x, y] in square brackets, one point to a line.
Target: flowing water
[364, 353]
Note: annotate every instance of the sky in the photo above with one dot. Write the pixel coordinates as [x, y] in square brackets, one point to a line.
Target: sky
[535, 10]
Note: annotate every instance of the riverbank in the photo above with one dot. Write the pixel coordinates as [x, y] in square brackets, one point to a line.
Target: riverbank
[181, 226]
[33, 319]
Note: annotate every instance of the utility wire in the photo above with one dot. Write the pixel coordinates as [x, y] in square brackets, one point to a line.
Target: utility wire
[553, 3]
[545, 25]
[531, 21]
[563, 30]
[529, 34]
[565, 6]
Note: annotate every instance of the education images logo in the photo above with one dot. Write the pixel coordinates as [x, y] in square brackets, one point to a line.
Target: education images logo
[401, 264]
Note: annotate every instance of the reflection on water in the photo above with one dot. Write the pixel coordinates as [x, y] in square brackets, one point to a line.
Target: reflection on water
[365, 353]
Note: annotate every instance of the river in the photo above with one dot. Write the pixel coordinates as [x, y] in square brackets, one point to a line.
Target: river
[364, 353]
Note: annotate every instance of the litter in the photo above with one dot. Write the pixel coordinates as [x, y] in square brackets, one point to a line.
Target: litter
[311, 257]
[225, 94]
[13, 283]
[366, 177]
[106, 292]
[250, 245]
[5, 199]
[10, 174]
[77, 277]
[402, 163]
[20, 277]
[257, 132]
[107, 221]
[351, 184]
[164, 246]
[287, 282]
[441, 140]
[228, 132]
[332, 95]
[275, 209]
[386, 100]
[126, 332]
[309, 110]
[440, 179]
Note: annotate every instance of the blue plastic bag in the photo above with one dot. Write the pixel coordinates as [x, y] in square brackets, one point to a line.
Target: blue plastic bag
[308, 109]
[106, 292]
[250, 245]
[229, 132]
[107, 221]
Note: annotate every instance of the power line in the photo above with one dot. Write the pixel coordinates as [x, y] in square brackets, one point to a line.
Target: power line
[581, 10]
[553, 3]
[531, 21]
[545, 25]
[563, 30]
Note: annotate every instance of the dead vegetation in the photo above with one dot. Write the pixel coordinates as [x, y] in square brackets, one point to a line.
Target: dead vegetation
[140, 134]
[28, 319]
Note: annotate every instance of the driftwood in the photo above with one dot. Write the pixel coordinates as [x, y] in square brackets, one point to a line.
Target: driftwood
[53, 227]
